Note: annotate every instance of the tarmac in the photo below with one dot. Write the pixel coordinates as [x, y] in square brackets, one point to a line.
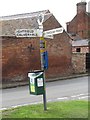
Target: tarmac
[23, 83]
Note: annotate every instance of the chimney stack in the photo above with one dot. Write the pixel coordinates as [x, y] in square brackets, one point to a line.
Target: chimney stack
[81, 7]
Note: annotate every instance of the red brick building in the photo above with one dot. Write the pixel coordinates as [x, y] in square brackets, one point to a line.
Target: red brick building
[20, 55]
[79, 30]
[80, 24]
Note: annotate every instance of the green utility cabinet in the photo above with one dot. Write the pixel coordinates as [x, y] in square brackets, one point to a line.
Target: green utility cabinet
[36, 82]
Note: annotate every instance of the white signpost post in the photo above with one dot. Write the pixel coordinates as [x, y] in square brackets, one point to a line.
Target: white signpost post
[42, 34]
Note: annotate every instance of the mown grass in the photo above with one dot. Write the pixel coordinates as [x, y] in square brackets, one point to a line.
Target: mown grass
[66, 109]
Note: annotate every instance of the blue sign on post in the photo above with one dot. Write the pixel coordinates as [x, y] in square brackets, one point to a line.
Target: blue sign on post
[45, 59]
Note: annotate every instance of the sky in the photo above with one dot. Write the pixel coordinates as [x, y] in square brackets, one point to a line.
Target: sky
[63, 10]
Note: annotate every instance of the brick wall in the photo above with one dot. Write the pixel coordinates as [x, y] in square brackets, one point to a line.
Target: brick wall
[18, 58]
[79, 25]
[60, 56]
[79, 62]
[72, 26]
[82, 27]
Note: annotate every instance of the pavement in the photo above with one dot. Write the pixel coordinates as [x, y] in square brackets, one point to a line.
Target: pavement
[24, 83]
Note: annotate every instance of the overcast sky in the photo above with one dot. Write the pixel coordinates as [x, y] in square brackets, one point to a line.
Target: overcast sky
[63, 10]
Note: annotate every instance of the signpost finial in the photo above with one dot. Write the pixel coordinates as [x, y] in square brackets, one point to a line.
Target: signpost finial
[40, 18]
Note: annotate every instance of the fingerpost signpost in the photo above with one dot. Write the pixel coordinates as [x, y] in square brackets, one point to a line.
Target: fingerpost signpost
[43, 53]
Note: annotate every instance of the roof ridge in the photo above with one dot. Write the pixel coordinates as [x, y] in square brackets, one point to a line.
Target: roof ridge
[23, 15]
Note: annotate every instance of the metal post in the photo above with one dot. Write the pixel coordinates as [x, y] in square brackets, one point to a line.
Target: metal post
[42, 67]
[44, 95]
[42, 49]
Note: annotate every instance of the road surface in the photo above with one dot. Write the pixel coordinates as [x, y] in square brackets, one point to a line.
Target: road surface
[69, 89]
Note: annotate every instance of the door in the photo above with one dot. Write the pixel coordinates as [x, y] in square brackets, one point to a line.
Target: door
[88, 62]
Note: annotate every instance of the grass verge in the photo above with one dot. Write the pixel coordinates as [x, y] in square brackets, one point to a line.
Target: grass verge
[66, 109]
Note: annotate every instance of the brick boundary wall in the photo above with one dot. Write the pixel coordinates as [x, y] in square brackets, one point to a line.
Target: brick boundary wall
[79, 62]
